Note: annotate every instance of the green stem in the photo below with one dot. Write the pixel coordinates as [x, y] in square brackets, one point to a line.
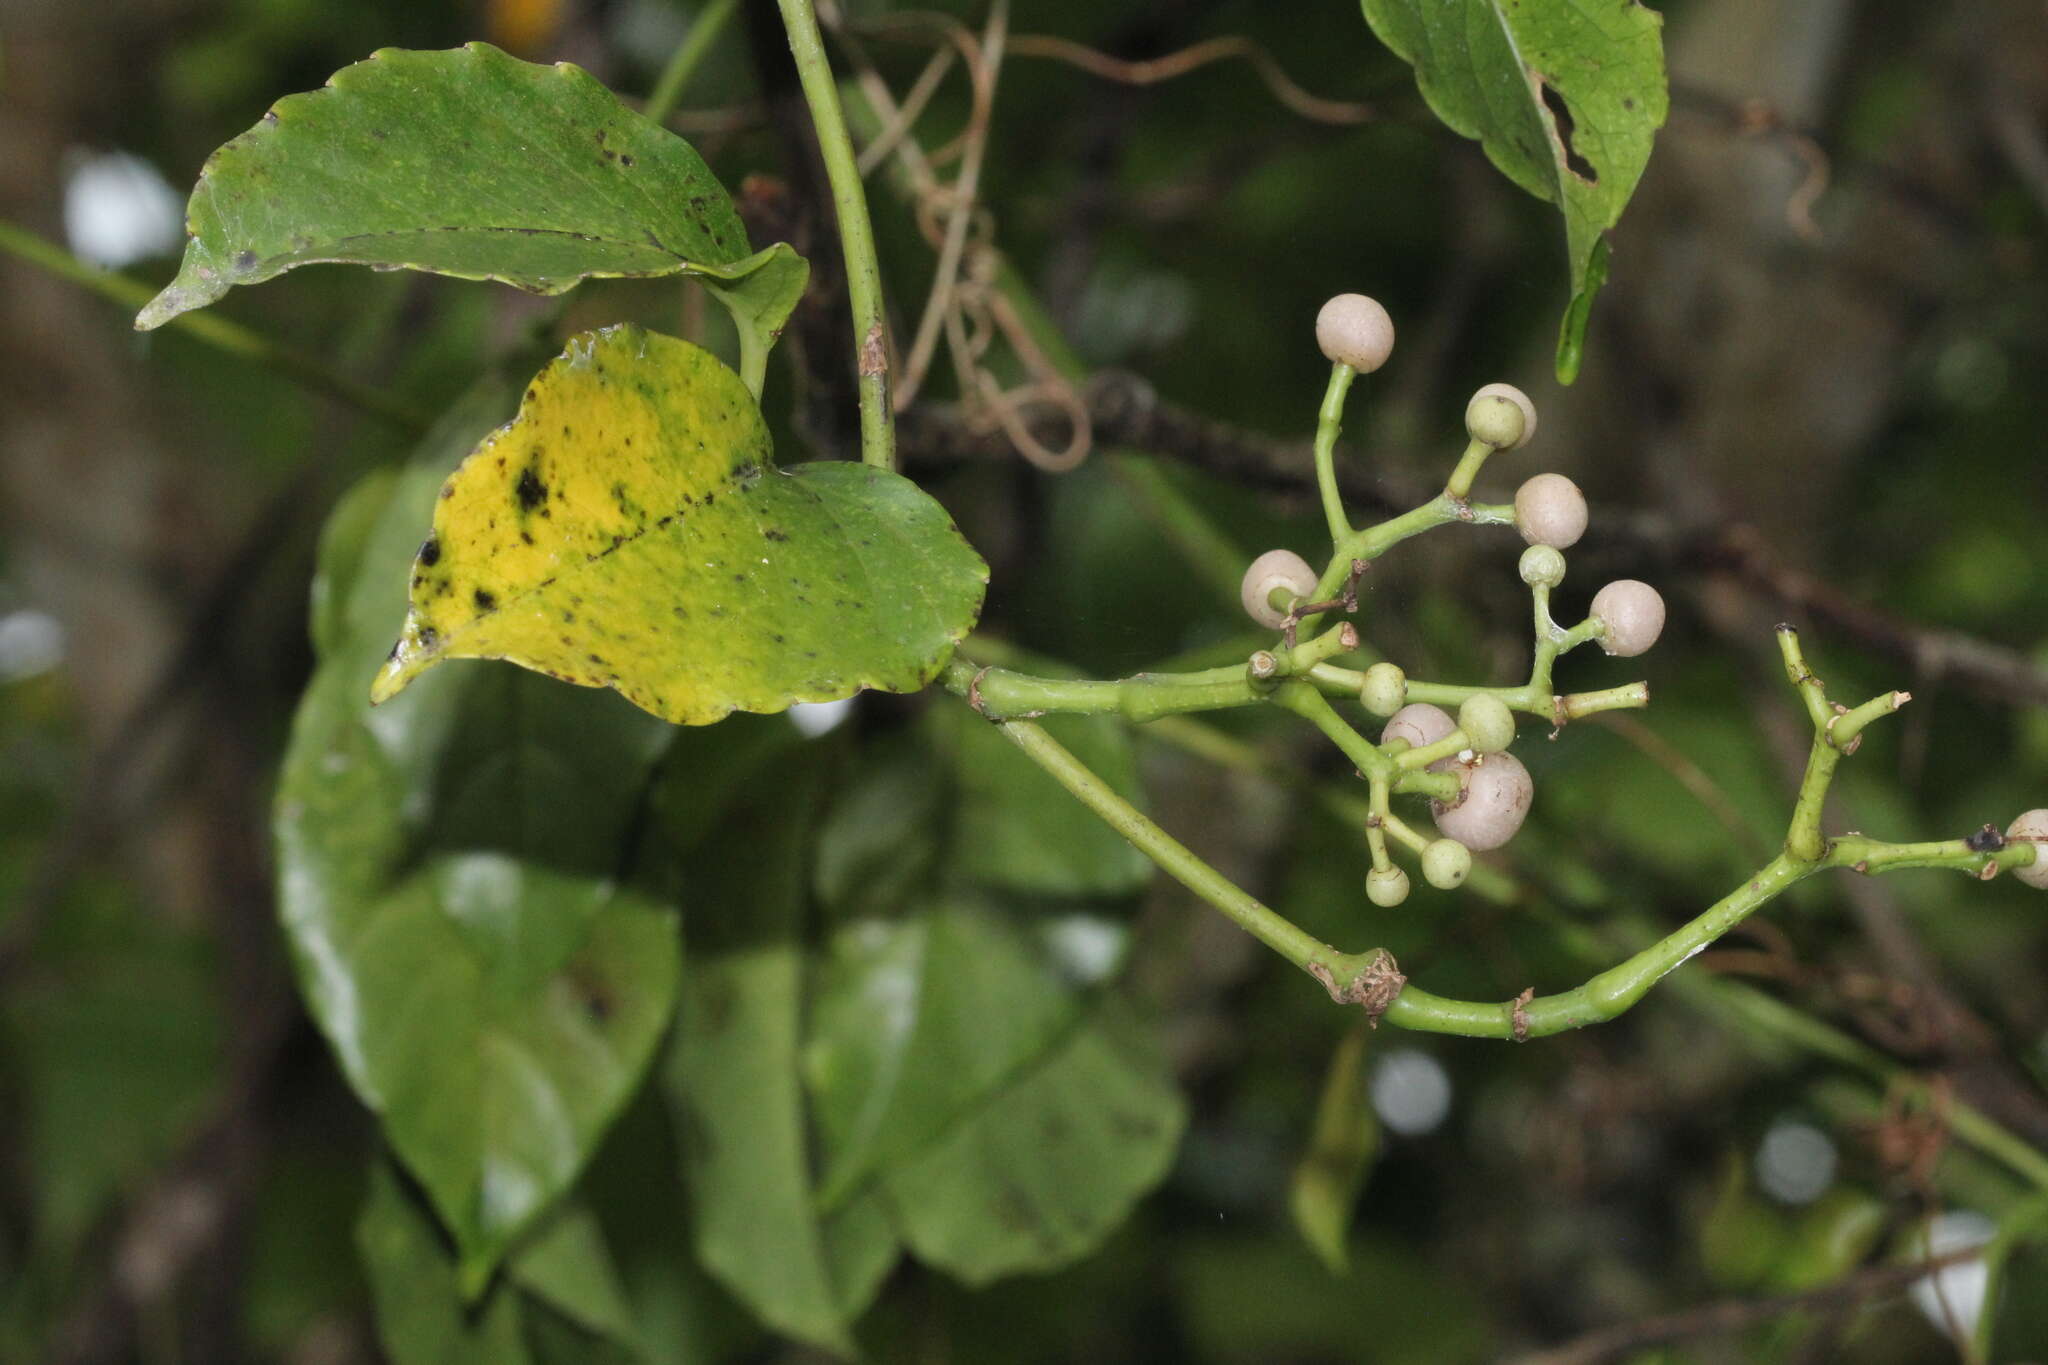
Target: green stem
[214, 330]
[1274, 930]
[688, 56]
[1371, 542]
[1536, 701]
[1329, 424]
[856, 234]
[1459, 485]
[1008, 695]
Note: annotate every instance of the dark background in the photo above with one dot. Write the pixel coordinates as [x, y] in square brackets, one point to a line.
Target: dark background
[1813, 392]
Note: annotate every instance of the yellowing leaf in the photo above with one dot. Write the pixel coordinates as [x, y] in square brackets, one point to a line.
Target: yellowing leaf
[628, 529]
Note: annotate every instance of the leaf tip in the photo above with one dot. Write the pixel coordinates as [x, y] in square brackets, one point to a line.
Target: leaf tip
[410, 657]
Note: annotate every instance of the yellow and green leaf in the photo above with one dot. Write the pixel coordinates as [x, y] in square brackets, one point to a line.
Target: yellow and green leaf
[629, 529]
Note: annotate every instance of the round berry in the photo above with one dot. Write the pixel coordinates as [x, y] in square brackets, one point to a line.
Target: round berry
[1446, 863]
[1542, 566]
[1354, 330]
[1487, 722]
[1419, 723]
[2033, 827]
[1631, 617]
[1550, 510]
[1270, 572]
[1386, 886]
[1502, 416]
[1493, 800]
[1384, 688]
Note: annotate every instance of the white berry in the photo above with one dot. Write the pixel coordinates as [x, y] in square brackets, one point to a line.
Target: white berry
[1271, 571]
[1541, 567]
[1487, 722]
[1631, 616]
[1386, 886]
[1446, 863]
[1492, 803]
[2032, 826]
[1502, 416]
[1383, 689]
[1354, 330]
[1419, 723]
[1550, 510]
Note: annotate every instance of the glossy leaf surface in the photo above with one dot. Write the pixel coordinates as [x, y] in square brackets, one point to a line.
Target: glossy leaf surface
[559, 1302]
[630, 530]
[1051, 1164]
[448, 884]
[733, 1082]
[1564, 96]
[474, 164]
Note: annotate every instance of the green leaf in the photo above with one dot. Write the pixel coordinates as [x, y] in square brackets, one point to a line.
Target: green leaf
[563, 1271]
[629, 530]
[916, 1022]
[732, 1079]
[473, 164]
[1564, 96]
[1323, 1194]
[1051, 1165]
[448, 884]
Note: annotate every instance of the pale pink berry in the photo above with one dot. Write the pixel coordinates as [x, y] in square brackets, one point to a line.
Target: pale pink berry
[2032, 826]
[1354, 330]
[1631, 616]
[1550, 510]
[1419, 723]
[1493, 800]
[1275, 569]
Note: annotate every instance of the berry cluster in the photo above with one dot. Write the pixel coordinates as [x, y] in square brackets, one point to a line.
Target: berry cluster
[1488, 791]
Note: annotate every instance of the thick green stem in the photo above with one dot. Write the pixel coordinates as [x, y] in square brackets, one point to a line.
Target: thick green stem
[1329, 424]
[856, 234]
[1003, 694]
[214, 330]
[688, 56]
[1274, 930]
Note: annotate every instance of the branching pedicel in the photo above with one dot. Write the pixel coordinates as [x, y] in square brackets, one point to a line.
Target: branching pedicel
[1478, 793]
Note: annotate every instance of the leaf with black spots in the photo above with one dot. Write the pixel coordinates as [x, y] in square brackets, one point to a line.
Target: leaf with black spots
[629, 529]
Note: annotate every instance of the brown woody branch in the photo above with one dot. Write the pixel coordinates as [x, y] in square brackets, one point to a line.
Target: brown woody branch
[1127, 413]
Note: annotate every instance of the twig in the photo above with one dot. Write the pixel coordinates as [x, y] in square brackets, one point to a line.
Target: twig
[688, 56]
[1126, 412]
[1734, 1315]
[1188, 59]
[215, 330]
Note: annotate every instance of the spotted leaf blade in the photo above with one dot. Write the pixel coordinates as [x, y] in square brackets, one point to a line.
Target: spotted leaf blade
[473, 164]
[448, 884]
[1564, 95]
[630, 530]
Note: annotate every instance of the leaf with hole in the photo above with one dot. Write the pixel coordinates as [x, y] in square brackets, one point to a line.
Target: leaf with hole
[1565, 97]
[629, 529]
[474, 164]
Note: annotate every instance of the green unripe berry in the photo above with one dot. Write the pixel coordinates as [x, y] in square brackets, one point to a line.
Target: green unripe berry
[1386, 886]
[2033, 827]
[1542, 566]
[1446, 863]
[1487, 723]
[1354, 330]
[1501, 415]
[1384, 689]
